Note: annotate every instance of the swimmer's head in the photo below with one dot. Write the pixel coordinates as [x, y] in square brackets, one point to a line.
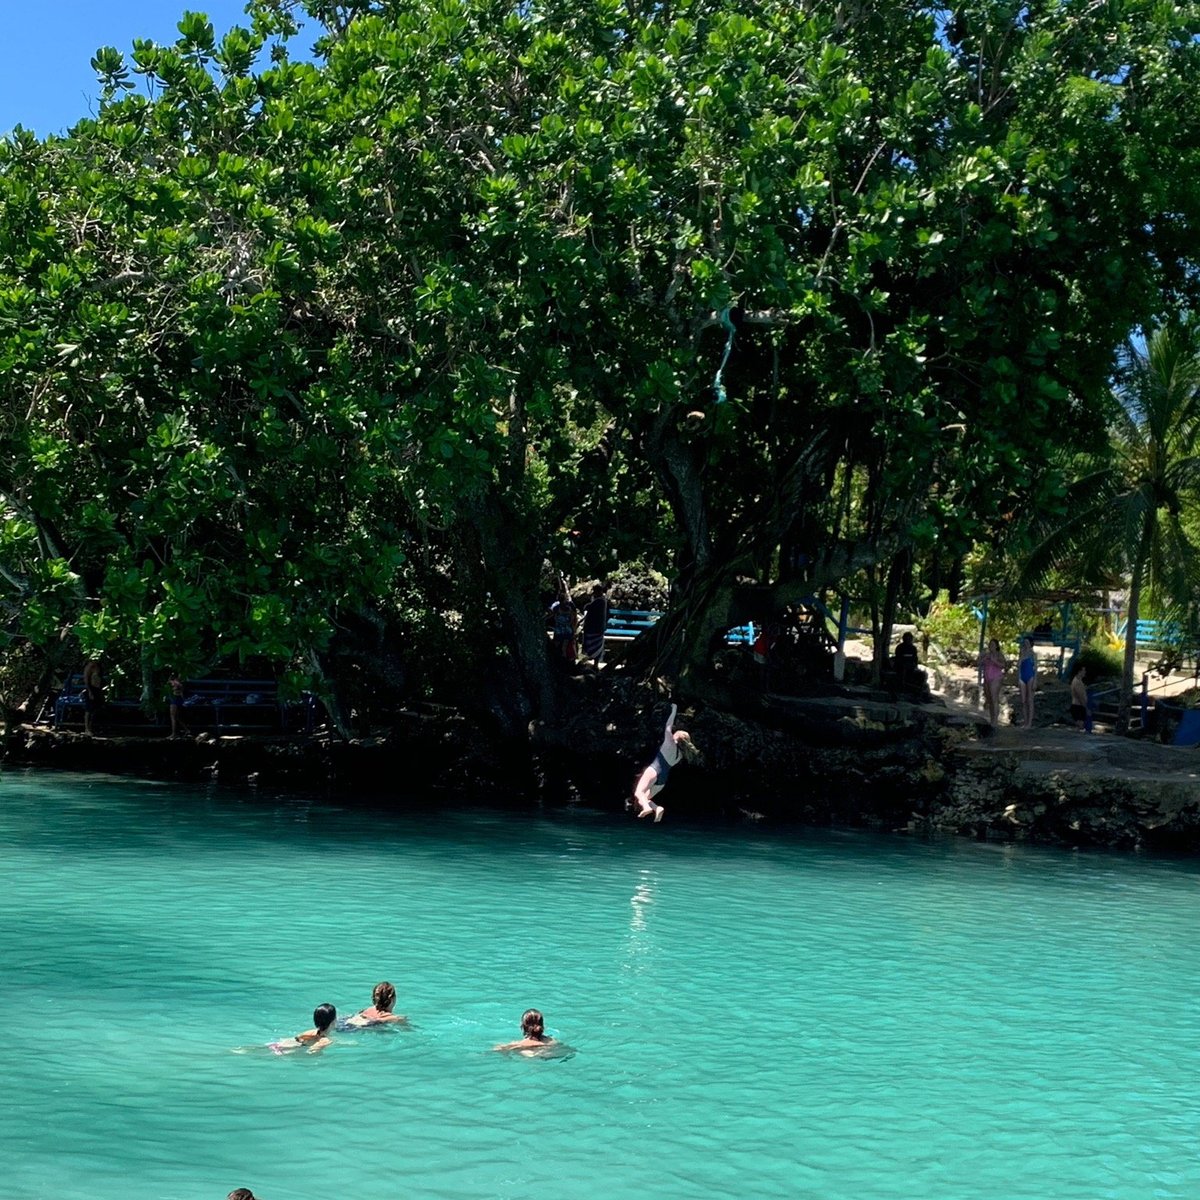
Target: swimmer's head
[533, 1024]
[324, 1016]
[384, 996]
[241, 1194]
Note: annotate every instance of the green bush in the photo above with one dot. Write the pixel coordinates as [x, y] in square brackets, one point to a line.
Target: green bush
[635, 585]
[955, 627]
[1102, 661]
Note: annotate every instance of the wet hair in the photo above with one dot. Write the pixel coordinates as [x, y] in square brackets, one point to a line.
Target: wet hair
[384, 996]
[687, 748]
[533, 1024]
[241, 1194]
[324, 1016]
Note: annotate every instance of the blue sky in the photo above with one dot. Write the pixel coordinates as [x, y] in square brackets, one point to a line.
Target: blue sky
[46, 83]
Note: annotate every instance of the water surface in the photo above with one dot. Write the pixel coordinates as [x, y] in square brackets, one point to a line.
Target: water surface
[756, 1012]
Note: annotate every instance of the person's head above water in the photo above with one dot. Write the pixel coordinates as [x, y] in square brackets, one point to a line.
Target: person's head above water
[384, 996]
[324, 1016]
[533, 1024]
[241, 1194]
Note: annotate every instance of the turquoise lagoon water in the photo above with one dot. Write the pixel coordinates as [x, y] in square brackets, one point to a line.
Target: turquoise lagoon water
[756, 1013]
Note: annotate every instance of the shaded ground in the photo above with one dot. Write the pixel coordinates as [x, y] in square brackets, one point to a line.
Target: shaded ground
[858, 757]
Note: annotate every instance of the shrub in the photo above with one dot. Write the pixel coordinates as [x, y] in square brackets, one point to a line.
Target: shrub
[635, 585]
[1102, 661]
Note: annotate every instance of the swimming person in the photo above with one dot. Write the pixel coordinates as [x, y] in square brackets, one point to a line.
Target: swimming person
[241, 1194]
[654, 778]
[533, 1026]
[1027, 676]
[380, 1012]
[314, 1040]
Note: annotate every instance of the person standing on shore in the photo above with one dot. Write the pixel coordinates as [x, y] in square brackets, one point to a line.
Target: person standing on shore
[93, 695]
[992, 665]
[176, 704]
[563, 619]
[595, 620]
[1027, 677]
[1079, 699]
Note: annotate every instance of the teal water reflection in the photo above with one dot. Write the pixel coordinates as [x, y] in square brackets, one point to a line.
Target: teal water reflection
[756, 1013]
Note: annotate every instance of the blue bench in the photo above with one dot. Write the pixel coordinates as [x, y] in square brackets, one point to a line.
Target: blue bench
[69, 709]
[234, 705]
[629, 622]
[626, 623]
[1151, 633]
[1070, 639]
[218, 706]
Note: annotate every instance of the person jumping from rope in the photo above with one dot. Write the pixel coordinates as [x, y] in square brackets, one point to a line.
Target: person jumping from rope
[654, 778]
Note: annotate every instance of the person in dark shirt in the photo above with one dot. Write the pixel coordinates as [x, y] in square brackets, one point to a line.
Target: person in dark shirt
[595, 618]
[907, 667]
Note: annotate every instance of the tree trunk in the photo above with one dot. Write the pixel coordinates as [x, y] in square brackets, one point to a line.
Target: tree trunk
[328, 695]
[513, 579]
[887, 618]
[1125, 700]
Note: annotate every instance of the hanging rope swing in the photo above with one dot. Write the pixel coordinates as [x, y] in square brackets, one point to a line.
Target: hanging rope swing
[718, 383]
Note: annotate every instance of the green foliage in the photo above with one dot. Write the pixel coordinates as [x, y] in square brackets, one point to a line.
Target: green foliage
[952, 627]
[637, 586]
[1101, 659]
[287, 343]
[1128, 510]
[956, 627]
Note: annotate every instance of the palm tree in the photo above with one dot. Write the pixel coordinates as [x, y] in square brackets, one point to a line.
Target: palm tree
[1129, 506]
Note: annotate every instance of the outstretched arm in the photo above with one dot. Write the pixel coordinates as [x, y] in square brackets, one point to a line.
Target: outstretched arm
[669, 731]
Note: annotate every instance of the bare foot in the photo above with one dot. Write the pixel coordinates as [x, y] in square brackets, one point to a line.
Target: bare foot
[658, 814]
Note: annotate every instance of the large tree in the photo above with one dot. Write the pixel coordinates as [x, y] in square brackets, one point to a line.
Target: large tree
[796, 290]
[1128, 510]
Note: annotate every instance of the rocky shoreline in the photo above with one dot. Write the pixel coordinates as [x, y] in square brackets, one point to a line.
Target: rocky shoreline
[855, 760]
